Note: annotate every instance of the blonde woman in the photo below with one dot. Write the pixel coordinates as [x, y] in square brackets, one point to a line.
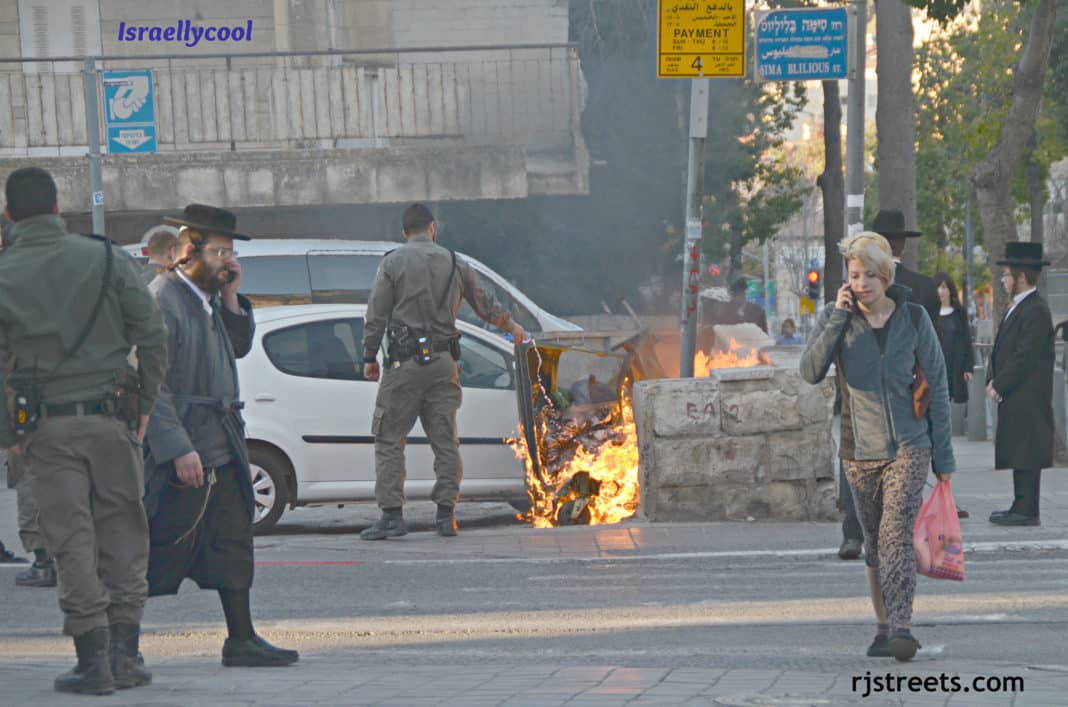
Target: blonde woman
[874, 335]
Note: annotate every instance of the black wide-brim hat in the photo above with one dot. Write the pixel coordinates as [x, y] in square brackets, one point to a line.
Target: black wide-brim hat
[208, 219]
[890, 224]
[1023, 254]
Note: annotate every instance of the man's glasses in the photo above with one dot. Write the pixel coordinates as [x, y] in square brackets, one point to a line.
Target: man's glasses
[222, 253]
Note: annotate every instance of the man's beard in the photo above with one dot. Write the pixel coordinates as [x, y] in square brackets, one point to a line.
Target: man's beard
[207, 278]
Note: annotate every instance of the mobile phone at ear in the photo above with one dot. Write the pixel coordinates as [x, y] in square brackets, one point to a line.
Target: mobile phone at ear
[230, 275]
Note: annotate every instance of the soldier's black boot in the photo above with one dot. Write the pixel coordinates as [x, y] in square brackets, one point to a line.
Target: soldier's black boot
[8, 557]
[39, 574]
[92, 674]
[127, 664]
[390, 525]
[445, 522]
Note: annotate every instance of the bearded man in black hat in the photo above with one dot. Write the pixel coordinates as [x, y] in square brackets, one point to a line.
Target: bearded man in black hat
[1020, 380]
[890, 224]
[198, 495]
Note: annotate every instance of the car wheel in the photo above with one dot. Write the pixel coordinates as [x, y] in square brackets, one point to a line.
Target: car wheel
[270, 486]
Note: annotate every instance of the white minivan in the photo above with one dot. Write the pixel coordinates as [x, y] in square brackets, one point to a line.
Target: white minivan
[333, 271]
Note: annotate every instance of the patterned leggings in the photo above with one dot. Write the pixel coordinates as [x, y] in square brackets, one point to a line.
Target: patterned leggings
[888, 494]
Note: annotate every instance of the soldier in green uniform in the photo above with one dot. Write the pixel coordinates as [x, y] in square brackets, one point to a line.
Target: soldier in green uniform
[414, 301]
[71, 307]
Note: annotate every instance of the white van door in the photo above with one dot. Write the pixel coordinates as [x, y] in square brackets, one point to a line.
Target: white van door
[319, 397]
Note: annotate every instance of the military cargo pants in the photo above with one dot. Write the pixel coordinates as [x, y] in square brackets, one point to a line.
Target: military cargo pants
[432, 395]
[29, 533]
[87, 476]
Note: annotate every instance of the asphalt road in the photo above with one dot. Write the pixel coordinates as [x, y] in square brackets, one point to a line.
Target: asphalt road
[419, 600]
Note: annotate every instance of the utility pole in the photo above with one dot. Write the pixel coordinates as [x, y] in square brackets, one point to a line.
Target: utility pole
[768, 316]
[92, 128]
[691, 262]
[854, 216]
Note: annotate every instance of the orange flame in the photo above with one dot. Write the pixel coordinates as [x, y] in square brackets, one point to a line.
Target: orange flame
[613, 464]
[611, 461]
[704, 363]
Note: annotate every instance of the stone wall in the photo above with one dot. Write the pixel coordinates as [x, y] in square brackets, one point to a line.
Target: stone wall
[744, 443]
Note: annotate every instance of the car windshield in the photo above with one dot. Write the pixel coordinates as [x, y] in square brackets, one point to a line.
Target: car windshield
[342, 277]
[521, 314]
[271, 280]
[345, 278]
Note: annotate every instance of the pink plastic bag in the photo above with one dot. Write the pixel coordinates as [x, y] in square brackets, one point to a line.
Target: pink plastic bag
[936, 536]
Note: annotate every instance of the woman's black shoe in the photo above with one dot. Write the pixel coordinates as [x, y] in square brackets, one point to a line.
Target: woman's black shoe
[902, 645]
[880, 647]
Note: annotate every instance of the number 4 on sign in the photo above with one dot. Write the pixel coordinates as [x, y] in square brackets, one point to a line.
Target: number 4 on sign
[697, 64]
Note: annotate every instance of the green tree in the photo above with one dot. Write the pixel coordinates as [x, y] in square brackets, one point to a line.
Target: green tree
[1014, 132]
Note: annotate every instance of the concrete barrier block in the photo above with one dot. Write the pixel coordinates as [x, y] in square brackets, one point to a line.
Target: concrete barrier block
[801, 454]
[686, 504]
[747, 412]
[788, 500]
[681, 408]
[709, 462]
[815, 402]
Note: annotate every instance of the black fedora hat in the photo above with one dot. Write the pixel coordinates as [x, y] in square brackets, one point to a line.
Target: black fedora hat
[208, 219]
[890, 224]
[1023, 254]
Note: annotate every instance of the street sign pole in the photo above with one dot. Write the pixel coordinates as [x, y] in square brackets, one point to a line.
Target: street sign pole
[697, 41]
[854, 215]
[691, 260]
[92, 127]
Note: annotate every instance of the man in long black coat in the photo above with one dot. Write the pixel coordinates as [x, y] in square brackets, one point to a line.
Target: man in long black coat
[198, 487]
[1020, 379]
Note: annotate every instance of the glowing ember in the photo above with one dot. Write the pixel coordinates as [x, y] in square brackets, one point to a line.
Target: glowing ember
[703, 363]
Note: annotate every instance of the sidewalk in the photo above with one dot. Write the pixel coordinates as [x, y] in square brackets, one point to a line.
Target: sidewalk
[350, 676]
[334, 680]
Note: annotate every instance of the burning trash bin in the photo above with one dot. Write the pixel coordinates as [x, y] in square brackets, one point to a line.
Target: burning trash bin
[578, 440]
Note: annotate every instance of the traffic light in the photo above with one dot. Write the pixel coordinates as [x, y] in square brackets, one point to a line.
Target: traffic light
[813, 285]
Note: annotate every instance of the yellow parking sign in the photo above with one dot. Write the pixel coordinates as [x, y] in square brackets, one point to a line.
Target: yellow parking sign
[700, 39]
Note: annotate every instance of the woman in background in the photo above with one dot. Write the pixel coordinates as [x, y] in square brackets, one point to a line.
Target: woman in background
[955, 337]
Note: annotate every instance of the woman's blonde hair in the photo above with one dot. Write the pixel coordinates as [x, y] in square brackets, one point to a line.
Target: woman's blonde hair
[871, 249]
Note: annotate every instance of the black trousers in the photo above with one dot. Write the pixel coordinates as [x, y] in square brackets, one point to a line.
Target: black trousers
[214, 551]
[1027, 485]
[851, 529]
